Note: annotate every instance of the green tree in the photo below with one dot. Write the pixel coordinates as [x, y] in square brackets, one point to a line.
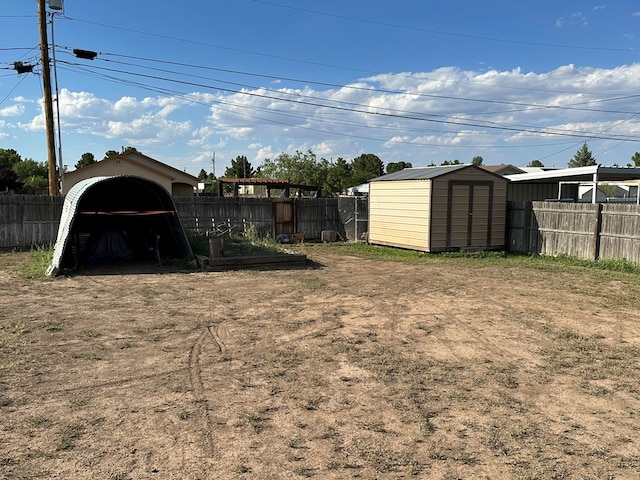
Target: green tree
[211, 187]
[636, 159]
[338, 178]
[240, 168]
[9, 157]
[365, 167]
[451, 162]
[115, 153]
[32, 175]
[582, 158]
[477, 161]
[608, 189]
[535, 163]
[397, 166]
[8, 180]
[87, 158]
[204, 176]
[300, 168]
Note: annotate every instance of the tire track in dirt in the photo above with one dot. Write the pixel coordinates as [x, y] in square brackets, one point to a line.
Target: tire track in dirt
[209, 335]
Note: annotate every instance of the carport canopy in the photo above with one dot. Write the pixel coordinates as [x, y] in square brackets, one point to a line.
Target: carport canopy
[122, 218]
[591, 174]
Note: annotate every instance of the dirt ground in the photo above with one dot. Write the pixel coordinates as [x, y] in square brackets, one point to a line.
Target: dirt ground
[446, 369]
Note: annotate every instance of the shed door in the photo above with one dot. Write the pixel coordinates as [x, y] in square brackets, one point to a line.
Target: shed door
[469, 214]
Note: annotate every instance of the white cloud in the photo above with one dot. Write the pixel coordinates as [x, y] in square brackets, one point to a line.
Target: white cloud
[12, 111]
[577, 18]
[420, 117]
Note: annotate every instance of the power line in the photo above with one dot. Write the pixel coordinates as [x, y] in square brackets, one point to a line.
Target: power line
[356, 88]
[404, 116]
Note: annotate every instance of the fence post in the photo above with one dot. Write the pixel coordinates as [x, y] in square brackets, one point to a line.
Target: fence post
[597, 230]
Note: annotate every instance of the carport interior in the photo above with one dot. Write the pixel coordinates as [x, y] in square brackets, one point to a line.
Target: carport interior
[124, 219]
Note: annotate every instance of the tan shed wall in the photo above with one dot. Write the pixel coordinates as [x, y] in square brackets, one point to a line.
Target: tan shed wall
[399, 213]
[414, 213]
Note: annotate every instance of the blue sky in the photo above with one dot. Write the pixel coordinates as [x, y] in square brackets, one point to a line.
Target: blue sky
[412, 80]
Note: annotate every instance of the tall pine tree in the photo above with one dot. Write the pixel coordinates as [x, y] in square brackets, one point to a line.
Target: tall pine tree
[582, 158]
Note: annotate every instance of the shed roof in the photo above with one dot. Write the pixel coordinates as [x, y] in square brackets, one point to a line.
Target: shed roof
[427, 173]
[419, 173]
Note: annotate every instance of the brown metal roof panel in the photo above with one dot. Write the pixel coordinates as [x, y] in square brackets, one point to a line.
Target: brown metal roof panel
[419, 173]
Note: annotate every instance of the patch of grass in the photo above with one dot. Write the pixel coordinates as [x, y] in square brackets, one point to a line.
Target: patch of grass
[304, 471]
[199, 243]
[68, 435]
[374, 427]
[296, 442]
[309, 282]
[591, 358]
[52, 327]
[15, 328]
[312, 403]
[426, 426]
[256, 420]
[616, 268]
[86, 355]
[37, 263]
[235, 245]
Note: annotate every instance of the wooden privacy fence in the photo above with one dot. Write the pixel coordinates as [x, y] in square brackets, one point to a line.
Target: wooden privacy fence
[267, 215]
[582, 230]
[27, 220]
[208, 214]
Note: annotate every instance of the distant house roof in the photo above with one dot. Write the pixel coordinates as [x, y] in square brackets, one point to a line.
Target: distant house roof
[579, 174]
[358, 189]
[426, 173]
[503, 169]
[141, 159]
[133, 163]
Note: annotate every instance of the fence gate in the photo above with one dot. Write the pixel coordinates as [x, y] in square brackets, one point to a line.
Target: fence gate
[284, 216]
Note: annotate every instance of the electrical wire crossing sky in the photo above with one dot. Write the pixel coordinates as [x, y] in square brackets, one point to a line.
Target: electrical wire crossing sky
[413, 81]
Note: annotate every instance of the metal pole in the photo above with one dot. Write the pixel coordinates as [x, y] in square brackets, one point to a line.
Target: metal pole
[48, 104]
[355, 216]
[55, 78]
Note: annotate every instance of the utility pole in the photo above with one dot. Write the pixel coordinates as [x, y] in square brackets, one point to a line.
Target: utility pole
[48, 102]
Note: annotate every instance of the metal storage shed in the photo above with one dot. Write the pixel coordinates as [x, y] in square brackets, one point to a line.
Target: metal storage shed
[118, 219]
[438, 209]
